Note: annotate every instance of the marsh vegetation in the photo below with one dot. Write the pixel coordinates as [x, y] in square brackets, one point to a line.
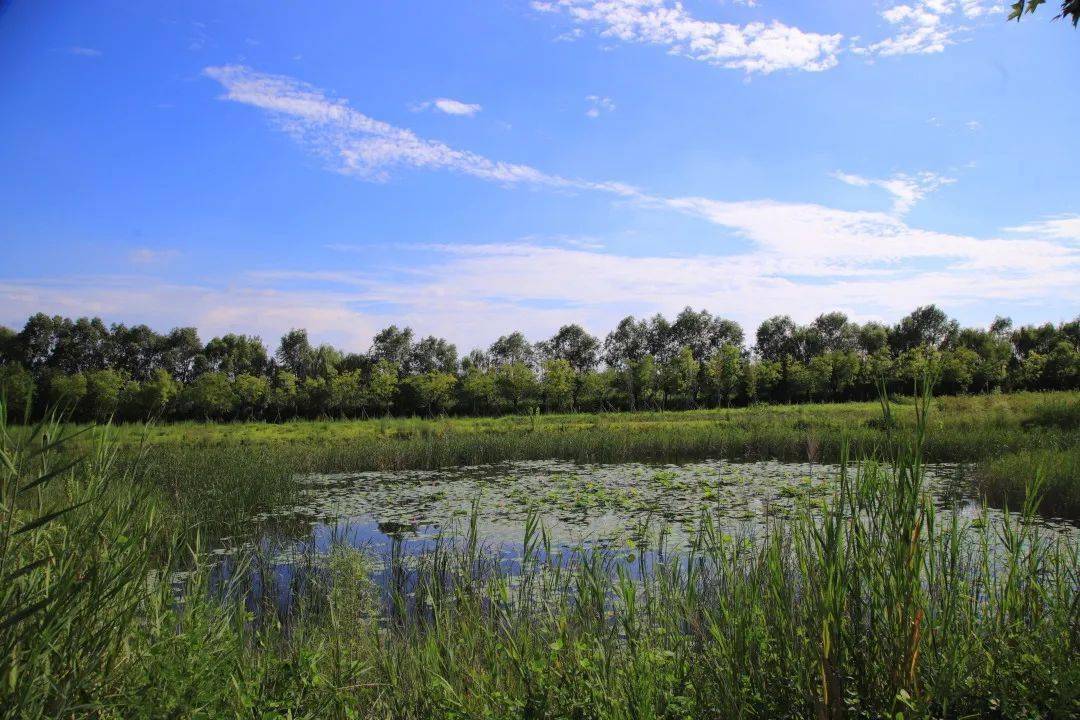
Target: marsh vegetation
[573, 566]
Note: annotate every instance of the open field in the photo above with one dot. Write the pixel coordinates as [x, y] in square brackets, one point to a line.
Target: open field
[866, 596]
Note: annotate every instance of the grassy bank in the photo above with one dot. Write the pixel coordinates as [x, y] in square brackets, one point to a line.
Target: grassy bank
[1002, 478]
[874, 606]
[221, 473]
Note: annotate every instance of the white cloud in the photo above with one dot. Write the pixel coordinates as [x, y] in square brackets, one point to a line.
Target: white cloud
[754, 47]
[973, 125]
[473, 293]
[791, 238]
[449, 106]
[906, 189]
[238, 306]
[598, 105]
[84, 52]
[358, 144]
[1064, 227]
[921, 29]
[927, 26]
[978, 8]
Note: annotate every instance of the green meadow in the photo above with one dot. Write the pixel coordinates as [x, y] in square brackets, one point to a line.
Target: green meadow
[227, 469]
[150, 571]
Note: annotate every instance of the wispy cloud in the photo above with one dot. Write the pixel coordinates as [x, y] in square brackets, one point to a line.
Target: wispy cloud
[448, 106]
[598, 105]
[927, 26]
[905, 189]
[365, 147]
[792, 238]
[755, 47]
[474, 292]
[84, 52]
[1063, 227]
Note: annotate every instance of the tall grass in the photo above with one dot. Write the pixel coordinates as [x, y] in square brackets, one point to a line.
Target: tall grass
[873, 605]
[219, 476]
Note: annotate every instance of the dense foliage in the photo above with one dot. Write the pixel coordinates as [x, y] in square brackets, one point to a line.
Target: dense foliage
[697, 360]
[1070, 9]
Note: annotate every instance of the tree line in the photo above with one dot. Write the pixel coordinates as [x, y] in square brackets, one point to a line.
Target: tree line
[696, 360]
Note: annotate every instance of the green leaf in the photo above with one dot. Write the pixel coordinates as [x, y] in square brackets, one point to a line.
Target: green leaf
[51, 474]
[47, 518]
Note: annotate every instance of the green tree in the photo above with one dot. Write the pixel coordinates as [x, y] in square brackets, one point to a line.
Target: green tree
[478, 388]
[819, 374]
[957, 370]
[434, 391]
[927, 326]
[645, 379]
[315, 397]
[776, 338]
[846, 366]
[911, 366]
[624, 347]
[597, 390]
[295, 353]
[433, 354]
[252, 393]
[382, 385]
[558, 383]
[236, 355]
[394, 345]
[724, 373]
[66, 391]
[180, 354]
[16, 390]
[155, 395]
[103, 389]
[347, 395]
[1062, 369]
[510, 349]
[1031, 371]
[575, 345]
[516, 384]
[679, 376]
[210, 396]
[284, 395]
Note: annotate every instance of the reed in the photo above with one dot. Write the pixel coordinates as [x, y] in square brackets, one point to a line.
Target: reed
[875, 604]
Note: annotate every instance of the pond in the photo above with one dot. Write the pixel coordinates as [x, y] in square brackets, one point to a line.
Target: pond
[609, 506]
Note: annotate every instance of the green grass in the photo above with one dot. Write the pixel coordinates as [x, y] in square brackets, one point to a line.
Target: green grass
[218, 475]
[876, 605]
[1003, 480]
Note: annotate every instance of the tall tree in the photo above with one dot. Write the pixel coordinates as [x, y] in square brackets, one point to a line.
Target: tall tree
[181, 352]
[926, 326]
[236, 355]
[834, 332]
[776, 338]
[432, 355]
[624, 347]
[703, 333]
[511, 349]
[395, 345]
[575, 345]
[295, 353]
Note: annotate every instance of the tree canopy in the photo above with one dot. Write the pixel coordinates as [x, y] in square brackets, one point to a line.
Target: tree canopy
[123, 372]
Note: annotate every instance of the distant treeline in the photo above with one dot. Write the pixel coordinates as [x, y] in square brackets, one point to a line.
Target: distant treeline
[697, 360]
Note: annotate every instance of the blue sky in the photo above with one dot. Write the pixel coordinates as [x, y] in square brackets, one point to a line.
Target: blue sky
[474, 168]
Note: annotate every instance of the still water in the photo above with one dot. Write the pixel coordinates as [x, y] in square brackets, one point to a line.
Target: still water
[613, 506]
